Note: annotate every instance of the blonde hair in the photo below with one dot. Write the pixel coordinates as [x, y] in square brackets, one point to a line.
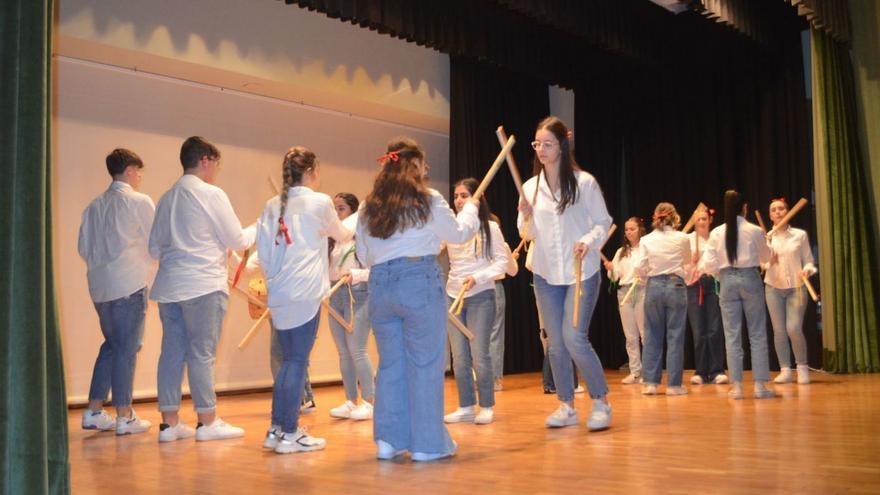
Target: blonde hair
[665, 215]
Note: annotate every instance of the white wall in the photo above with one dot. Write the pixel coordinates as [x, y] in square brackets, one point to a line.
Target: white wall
[99, 106]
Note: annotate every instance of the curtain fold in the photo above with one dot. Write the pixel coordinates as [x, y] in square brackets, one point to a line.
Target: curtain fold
[33, 412]
[848, 244]
[484, 96]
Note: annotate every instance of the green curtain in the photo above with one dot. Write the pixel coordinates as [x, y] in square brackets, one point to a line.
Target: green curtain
[847, 237]
[33, 412]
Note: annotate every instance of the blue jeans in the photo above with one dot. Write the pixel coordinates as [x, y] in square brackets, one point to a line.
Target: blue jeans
[787, 307]
[705, 320]
[122, 323]
[190, 331]
[742, 291]
[287, 394]
[276, 358]
[354, 363]
[477, 314]
[566, 343]
[408, 315]
[496, 338]
[665, 313]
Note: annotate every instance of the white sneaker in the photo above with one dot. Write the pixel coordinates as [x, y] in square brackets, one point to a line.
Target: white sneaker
[600, 416]
[343, 411]
[273, 435]
[299, 442]
[424, 457]
[679, 390]
[564, 415]
[762, 392]
[736, 391]
[498, 385]
[385, 451]
[134, 424]
[362, 412]
[784, 376]
[100, 420]
[631, 379]
[579, 389]
[696, 380]
[179, 431]
[461, 415]
[803, 374]
[218, 430]
[649, 389]
[720, 379]
[486, 416]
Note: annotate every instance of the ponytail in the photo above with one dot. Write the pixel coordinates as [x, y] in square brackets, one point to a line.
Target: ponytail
[733, 205]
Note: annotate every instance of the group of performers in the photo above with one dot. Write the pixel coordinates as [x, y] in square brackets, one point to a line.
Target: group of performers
[380, 256]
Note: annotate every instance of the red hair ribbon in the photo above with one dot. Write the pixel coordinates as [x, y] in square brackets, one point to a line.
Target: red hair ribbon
[391, 155]
[282, 229]
[660, 215]
[711, 212]
[781, 200]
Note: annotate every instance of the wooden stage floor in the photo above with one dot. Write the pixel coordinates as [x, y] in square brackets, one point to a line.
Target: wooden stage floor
[820, 438]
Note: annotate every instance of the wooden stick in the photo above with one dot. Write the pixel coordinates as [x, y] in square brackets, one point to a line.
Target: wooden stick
[629, 293]
[339, 283]
[607, 237]
[761, 221]
[336, 316]
[494, 168]
[522, 243]
[250, 298]
[514, 172]
[253, 331]
[460, 326]
[690, 224]
[810, 288]
[788, 216]
[578, 268]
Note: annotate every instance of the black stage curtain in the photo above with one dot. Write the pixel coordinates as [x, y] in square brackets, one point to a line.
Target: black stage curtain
[483, 97]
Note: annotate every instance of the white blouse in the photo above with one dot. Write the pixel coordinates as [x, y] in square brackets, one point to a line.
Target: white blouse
[622, 267]
[468, 259]
[554, 235]
[690, 268]
[343, 258]
[665, 251]
[297, 273]
[443, 225]
[792, 249]
[751, 248]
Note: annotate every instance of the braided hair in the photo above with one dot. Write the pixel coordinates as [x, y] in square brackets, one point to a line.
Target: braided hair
[297, 162]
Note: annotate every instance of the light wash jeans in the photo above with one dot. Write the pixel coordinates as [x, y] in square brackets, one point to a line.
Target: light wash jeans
[276, 358]
[287, 394]
[787, 307]
[190, 331]
[742, 291]
[705, 320]
[477, 314]
[665, 314]
[496, 338]
[408, 316]
[122, 323]
[566, 343]
[354, 363]
[632, 318]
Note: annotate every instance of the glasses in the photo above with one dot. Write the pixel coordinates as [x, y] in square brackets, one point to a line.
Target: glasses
[547, 145]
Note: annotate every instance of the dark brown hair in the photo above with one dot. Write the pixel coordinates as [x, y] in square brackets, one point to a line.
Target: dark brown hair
[627, 247]
[568, 187]
[400, 198]
[471, 185]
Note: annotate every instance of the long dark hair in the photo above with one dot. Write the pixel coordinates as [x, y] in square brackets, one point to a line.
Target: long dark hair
[568, 187]
[733, 205]
[400, 198]
[297, 162]
[627, 247]
[471, 185]
[352, 201]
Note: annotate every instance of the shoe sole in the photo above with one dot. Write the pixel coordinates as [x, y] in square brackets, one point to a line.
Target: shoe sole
[217, 438]
[298, 449]
[336, 416]
[122, 433]
[391, 456]
[462, 419]
[567, 423]
[361, 419]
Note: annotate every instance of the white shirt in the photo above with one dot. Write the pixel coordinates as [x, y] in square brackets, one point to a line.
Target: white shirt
[468, 259]
[665, 251]
[691, 269]
[113, 239]
[297, 274]
[343, 259]
[555, 235]
[443, 225]
[792, 248]
[751, 248]
[194, 226]
[622, 267]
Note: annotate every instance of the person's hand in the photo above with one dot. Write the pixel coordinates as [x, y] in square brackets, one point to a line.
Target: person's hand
[525, 207]
[608, 266]
[805, 274]
[515, 255]
[580, 250]
[469, 282]
[474, 201]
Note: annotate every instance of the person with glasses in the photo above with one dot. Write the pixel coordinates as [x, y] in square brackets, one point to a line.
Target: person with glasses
[567, 221]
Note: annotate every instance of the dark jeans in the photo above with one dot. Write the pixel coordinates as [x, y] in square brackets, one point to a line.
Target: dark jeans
[705, 320]
[296, 345]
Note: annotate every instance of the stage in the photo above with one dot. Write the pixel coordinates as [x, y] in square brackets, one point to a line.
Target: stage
[818, 438]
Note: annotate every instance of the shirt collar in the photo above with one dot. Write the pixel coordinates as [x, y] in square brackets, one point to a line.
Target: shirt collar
[118, 185]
